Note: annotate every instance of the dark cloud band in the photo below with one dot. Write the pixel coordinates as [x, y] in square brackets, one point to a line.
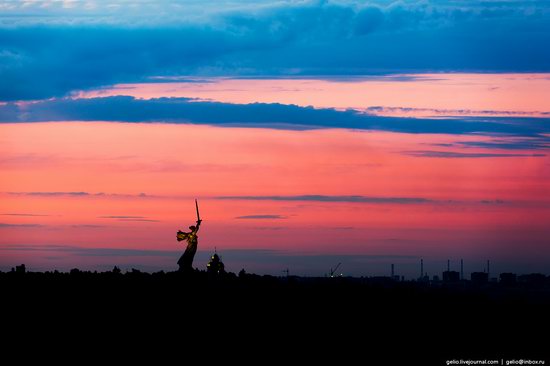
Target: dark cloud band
[266, 115]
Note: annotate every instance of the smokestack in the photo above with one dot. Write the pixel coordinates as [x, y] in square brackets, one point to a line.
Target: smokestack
[392, 274]
[448, 265]
[488, 269]
[461, 269]
[422, 268]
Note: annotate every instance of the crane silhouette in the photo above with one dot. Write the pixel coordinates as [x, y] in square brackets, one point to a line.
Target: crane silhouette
[332, 271]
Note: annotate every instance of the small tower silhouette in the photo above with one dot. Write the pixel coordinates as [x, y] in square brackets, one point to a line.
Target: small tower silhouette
[20, 269]
[215, 265]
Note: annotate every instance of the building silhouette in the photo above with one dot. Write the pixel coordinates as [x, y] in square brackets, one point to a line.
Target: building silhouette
[479, 278]
[20, 269]
[215, 265]
[508, 279]
[532, 279]
[451, 276]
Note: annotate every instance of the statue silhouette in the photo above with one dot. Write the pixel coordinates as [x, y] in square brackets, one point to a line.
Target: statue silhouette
[186, 260]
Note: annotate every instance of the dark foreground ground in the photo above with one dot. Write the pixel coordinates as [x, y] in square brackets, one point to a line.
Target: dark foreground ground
[285, 320]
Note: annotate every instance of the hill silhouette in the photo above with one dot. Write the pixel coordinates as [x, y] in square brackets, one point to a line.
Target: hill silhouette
[240, 310]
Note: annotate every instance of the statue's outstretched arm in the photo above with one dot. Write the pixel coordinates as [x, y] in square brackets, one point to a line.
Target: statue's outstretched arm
[198, 225]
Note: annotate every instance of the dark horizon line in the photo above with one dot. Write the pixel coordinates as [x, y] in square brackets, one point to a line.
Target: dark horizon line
[402, 278]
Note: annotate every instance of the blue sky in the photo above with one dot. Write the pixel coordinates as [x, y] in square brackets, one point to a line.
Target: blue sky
[48, 49]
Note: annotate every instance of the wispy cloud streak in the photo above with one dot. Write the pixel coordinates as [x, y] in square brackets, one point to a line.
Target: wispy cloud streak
[79, 194]
[464, 155]
[261, 217]
[323, 198]
[23, 214]
[5, 225]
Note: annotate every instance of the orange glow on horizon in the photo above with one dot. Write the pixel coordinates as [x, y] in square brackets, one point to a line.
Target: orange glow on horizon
[477, 201]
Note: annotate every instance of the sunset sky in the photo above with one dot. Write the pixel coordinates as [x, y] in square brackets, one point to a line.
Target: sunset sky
[311, 132]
